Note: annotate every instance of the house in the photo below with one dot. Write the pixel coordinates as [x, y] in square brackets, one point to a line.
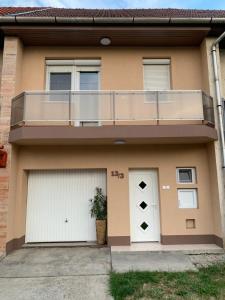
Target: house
[118, 99]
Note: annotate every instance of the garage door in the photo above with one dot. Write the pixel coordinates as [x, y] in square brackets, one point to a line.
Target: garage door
[58, 206]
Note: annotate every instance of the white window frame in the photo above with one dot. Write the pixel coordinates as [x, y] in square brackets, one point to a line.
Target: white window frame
[195, 194]
[79, 69]
[74, 66]
[74, 70]
[59, 69]
[158, 62]
[193, 174]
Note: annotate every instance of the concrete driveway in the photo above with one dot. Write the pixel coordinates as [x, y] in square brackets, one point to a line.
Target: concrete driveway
[55, 273]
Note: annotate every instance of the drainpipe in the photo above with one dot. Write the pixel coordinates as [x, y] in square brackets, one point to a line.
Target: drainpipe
[221, 125]
[218, 95]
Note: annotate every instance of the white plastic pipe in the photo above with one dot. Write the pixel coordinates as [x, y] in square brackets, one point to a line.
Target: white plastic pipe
[219, 104]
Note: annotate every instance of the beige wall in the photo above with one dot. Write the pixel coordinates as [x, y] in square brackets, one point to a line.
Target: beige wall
[121, 67]
[217, 181]
[214, 188]
[206, 75]
[164, 158]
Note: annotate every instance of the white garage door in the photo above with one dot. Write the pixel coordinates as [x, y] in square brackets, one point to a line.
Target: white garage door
[58, 206]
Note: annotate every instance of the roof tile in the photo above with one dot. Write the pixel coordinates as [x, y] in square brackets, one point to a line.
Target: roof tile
[4, 11]
[105, 13]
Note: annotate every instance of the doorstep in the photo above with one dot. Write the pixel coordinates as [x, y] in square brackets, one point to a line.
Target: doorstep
[63, 245]
[157, 247]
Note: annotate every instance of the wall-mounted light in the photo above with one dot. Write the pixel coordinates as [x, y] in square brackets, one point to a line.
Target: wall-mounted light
[105, 41]
[119, 142]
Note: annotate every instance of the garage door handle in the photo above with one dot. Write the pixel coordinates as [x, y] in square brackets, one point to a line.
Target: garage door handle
[66, 221]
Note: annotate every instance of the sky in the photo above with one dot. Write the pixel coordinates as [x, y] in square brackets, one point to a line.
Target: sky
[198, 4]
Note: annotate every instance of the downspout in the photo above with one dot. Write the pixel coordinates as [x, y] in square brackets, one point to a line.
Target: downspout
[218, 95]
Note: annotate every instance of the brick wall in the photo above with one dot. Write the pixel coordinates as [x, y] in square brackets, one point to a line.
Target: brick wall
[11, 65]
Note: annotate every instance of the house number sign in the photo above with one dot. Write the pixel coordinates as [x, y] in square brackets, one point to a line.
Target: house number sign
[117, 174]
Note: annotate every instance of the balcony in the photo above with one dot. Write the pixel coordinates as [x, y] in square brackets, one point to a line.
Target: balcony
[112, 115]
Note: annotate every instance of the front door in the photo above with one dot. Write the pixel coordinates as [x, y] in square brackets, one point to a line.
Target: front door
[144, 206]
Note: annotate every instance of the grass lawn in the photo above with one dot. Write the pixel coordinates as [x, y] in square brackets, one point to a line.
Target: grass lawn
[208, 283]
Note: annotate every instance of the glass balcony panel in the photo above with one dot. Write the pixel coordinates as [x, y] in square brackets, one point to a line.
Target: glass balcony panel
[47, 108]
[95, 108]
[178, 105]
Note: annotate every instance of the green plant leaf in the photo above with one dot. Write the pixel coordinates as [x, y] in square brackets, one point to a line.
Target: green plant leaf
[99, 205]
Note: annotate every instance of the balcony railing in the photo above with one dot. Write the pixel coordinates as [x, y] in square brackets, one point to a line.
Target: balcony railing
[95, 108]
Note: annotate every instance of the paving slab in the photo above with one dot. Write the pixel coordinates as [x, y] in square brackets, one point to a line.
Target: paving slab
[57, 288]
[157, 247]
[151, 261]
[206, 260]
[42, 262]
[55, 273]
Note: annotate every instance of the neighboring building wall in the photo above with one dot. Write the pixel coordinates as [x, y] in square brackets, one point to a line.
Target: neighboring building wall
[163, 158]
[222, 68]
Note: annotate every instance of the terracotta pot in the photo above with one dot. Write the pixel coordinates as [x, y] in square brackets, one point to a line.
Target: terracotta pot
[101, 231]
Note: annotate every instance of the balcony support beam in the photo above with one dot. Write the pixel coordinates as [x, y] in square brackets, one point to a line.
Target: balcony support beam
[132, 134]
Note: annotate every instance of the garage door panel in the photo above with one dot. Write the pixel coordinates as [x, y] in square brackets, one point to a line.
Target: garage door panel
[58, 206]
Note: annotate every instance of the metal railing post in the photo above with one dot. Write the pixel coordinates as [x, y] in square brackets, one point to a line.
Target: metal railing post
[157, 106]
[24, 108]
[70, 120]
[114, 108]
[204, 108]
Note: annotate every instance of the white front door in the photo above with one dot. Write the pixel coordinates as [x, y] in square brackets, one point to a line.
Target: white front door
[58, 206]
[144, 206]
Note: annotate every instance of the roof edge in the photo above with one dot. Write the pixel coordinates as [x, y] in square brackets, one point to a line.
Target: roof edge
[109, 20]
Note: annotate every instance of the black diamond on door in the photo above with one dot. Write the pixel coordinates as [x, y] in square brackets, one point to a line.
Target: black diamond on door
[143, 205]
[142, 185]
[144, 225]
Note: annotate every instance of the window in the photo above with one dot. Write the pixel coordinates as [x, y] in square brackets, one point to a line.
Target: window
[187, 198]
[59, 78]
[88, 81]
[72, 74]
[76, 75]
[186, 175]
[60, 81]
[156, 74]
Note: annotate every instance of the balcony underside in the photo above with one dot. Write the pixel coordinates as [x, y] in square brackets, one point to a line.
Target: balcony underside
[120, 35]
[131, 134]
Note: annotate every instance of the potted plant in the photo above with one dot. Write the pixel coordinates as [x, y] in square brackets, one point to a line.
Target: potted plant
[99, 211]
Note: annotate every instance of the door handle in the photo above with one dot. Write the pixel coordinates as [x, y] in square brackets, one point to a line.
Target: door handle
[66, 221]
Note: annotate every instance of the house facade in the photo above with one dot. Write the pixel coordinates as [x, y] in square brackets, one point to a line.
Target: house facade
[122, 100]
